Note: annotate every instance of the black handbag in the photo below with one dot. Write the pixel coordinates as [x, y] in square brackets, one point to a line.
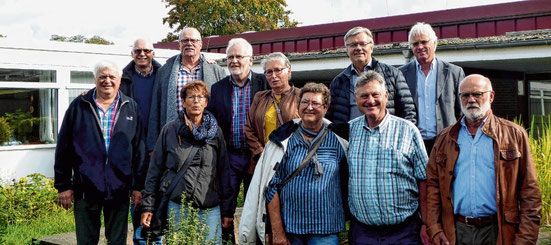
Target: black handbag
[159, 220]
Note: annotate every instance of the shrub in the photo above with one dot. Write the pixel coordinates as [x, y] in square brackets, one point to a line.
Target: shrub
[540, 144]
[191, 230]
[6, 132]
[28, 210]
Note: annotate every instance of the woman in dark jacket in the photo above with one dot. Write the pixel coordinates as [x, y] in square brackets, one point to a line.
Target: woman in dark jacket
[194, 134]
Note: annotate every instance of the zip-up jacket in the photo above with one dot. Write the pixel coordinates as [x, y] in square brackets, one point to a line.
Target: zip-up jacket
[127, 82]
[206, 181]
[82, 162]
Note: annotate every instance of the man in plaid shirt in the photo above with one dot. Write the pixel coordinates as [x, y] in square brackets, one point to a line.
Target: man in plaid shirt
[99, 158]
[387, 160]
[229, 102]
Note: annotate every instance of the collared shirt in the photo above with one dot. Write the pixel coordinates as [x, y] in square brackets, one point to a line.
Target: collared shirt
[475, 192]
[184, 77]
[354, 112]
[241, 102]
[310, 204]
[385, 164]
[147, 75]
[107, 118]
[426, 99]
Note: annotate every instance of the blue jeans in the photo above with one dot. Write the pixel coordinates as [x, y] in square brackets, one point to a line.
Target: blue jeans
[329, 239]
[137, 237]
[210, 217]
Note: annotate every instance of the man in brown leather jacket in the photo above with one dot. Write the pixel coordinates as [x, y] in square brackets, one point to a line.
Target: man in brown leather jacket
[481, 180]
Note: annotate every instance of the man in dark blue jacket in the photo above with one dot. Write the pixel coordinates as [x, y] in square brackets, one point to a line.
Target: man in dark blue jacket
[138, 78]
[229, 102]
[99, 158]
[359, 44]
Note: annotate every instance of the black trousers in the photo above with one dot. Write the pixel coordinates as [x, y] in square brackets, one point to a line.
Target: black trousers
[88, 221]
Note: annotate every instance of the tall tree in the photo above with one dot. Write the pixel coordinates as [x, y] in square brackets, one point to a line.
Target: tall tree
[81, 39]
[223, 17]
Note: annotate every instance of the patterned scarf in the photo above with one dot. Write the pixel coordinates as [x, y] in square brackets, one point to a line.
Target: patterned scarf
[314, 162]
[205, 132]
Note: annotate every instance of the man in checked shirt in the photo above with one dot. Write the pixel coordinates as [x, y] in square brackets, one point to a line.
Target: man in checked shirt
[387, 160]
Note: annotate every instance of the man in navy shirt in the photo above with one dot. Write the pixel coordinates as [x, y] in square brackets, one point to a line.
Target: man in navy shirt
[137, 82]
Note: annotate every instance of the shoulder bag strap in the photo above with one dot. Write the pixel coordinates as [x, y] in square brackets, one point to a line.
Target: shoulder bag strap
[305, 161]
[182, 170]
[278, 111]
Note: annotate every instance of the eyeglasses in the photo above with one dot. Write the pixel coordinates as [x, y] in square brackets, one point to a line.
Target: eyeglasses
[193, 97]
[139, 51]
[238, 57]
[276, 71]
[361, 44]
[476, 95]
[193, 41]
[314, 104]
[422, 42]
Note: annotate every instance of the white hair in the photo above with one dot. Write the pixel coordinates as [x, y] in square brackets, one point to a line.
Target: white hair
[106, 64]
[422, 28]
[242, 43]
[148, 43]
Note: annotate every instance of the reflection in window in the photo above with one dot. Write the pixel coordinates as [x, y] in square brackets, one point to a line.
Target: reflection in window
[31, 115]
[75, 92]
[20, 75]
[83, 77]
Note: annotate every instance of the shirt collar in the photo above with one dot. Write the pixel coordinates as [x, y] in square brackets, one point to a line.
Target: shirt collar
[381, 126]
[249, 77]
[432, 64]
[464, 122]
[366, 68]
[147, 75]
[116, 98]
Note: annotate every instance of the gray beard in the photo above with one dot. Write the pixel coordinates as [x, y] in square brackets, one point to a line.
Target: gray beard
[476, 114]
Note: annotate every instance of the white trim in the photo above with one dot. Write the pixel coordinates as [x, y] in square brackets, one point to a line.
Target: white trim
[27, 147]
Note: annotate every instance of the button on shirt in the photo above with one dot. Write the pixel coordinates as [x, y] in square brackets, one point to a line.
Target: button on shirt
[184, 77]
[426, 100]
[385, 164]
[241, 102]
[107, 119]
[354, 112]
[474, 187]
[310, 204]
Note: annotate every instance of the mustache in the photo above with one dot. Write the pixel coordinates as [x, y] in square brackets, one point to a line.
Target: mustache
[473, 105]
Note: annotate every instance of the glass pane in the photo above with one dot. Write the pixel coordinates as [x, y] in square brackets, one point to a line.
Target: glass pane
[19, 75]
[31, 116]
[85, 77]
[75, 92]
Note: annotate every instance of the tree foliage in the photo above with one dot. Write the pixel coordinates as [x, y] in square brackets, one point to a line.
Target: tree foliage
[223, 17]
[81, 39]
[2, 35]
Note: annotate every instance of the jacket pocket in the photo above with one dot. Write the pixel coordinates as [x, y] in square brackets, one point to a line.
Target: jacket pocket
[441, 160]
[509, 155]
[511, 217]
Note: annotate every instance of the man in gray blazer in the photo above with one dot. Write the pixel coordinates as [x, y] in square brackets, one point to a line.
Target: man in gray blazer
[433, 84]
[188, 66]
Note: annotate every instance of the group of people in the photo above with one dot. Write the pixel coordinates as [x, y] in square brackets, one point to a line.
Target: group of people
[409, 156]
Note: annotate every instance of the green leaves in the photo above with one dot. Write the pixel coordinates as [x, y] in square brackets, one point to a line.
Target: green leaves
[223, 17]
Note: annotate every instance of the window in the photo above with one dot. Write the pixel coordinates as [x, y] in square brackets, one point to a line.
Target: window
[31, 115]
[22, 75]
[81, 81]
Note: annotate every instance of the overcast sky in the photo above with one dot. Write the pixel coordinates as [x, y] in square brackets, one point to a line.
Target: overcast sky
[122, 21]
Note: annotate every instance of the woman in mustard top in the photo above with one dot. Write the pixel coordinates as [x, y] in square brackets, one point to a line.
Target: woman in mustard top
[271, 108]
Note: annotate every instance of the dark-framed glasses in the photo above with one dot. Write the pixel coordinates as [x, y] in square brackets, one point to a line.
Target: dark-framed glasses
[146, 51]
[476, 94]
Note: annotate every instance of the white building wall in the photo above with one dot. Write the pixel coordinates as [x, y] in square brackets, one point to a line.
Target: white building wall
[19, 161]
